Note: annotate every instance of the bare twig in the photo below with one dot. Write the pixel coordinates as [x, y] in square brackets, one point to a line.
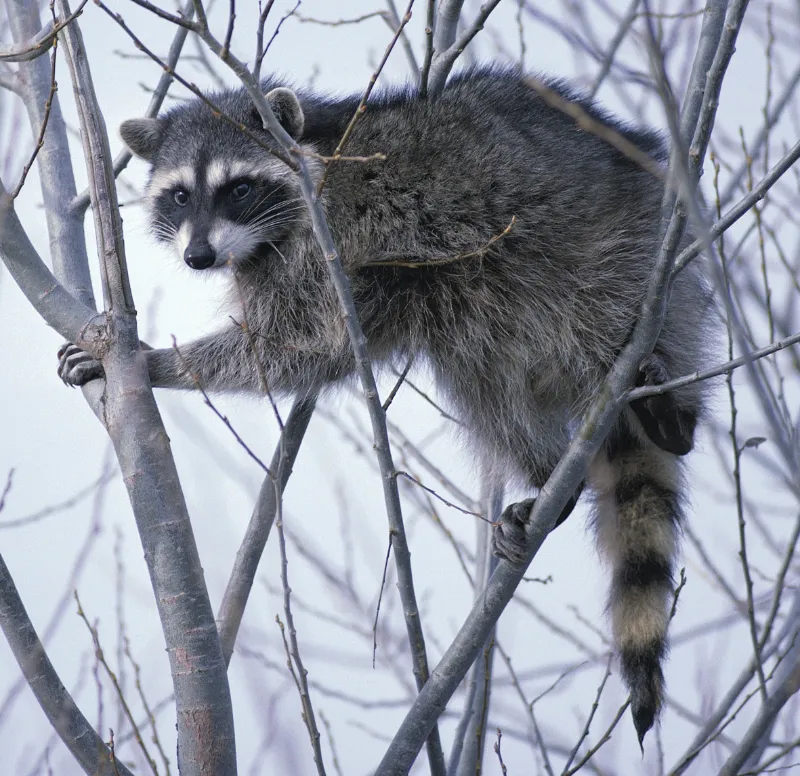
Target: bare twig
[380, 600]
[82, 201]
[42, 41]
[54, 509]
[479, 253]
[66, 718]
[574, 753]
[705, 374]
[587, 122]
[45, 119]
[362, 105]
[625, 24]
[603, 740]
[101, 659]
[292, 648]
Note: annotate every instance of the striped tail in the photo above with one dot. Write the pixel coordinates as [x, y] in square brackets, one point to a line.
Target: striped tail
[637, 520]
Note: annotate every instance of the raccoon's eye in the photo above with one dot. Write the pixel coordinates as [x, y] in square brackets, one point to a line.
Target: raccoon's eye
[181, 197]
[241, 190]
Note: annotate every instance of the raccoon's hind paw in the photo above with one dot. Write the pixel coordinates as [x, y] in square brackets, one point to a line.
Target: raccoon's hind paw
[509, 540]
[668, 425]
[76, 367]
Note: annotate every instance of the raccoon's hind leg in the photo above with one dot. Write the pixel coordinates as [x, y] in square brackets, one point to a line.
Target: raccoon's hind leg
[637, 520]
[668, 424]
[508, 539]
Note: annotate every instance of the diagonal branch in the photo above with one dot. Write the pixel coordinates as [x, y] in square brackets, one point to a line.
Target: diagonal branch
[433, 698]
[258, 529]
[41, 42]
[66, 718]
[363, 368]
[81, 202]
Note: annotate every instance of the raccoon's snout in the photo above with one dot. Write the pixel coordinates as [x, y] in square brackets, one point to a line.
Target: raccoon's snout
[200, 255]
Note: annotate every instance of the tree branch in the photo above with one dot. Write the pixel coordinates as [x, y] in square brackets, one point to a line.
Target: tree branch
[249, 555]
[66, 718]
[40, 43]
[446, 49]
[721, 369]
[561, 485]
[781, 689]
[358, 342]
[81, 201]
[70, 318]
[68, 254]
[130, 414]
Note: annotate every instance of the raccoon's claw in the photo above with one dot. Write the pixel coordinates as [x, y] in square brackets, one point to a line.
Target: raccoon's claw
[509, 540]
[668, 425]
[77, 367]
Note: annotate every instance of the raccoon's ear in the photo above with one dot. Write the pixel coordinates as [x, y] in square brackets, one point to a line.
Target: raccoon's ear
[142, 136]
[287, 110]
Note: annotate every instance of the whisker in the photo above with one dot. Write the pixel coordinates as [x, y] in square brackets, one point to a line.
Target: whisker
[275, 248]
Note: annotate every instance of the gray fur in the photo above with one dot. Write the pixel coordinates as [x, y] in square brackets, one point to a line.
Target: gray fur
[518, 335]
[142, 136]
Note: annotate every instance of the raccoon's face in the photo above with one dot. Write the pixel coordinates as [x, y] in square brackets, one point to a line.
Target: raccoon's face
[223, 212]
[217, 197]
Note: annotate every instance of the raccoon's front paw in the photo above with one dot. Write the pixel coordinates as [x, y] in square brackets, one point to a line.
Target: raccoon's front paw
[509, 540]
[76, 366]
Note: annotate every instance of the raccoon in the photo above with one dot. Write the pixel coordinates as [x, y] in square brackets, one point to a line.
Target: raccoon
[499, 243]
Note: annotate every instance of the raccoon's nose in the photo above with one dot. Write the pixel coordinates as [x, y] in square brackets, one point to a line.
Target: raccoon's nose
[199, 255]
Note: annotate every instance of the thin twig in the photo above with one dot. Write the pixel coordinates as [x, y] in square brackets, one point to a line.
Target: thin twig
[66, 718]
[400, 380]
[380, 599]
[574, 753]
[479, 253]
[42, 41]
[43, 128]
[251, 549]
[362, 105]
[603, 739]
[588, 123]
[463, 511]
[100, 656]
[721, 369]
[54, 509]
[292, 647]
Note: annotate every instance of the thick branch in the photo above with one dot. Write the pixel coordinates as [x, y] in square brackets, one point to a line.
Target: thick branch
[68, 254]
[202, 695]
[70, 318]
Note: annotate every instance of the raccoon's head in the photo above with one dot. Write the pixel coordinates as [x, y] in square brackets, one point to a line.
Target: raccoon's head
[214, 194]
